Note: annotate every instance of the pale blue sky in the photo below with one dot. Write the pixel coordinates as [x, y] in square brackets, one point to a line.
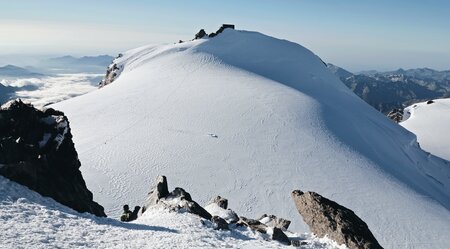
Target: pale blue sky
[357, 35]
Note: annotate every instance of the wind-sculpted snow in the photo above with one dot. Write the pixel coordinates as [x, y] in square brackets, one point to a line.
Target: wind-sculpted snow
[280, 120]
[28, 220]
[430, 121]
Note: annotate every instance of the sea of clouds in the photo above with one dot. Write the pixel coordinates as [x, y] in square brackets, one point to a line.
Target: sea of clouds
[51, 89]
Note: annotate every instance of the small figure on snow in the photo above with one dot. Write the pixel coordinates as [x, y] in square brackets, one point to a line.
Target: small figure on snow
[126, 216]
[135, 212]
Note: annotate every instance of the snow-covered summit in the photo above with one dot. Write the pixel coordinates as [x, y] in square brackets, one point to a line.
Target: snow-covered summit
[251, 117]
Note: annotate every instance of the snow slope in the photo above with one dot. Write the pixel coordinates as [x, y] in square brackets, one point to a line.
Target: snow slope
[431, 124]
[28, 220]
[251, 118]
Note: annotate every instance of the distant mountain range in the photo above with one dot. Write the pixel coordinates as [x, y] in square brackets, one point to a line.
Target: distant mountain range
[63, 64]
[396, 89]
[71, 64]
[11, 71]
[100, 60]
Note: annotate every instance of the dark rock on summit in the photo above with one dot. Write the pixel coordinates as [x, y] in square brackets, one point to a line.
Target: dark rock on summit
[223, 27]
[430, 102]
[36, 150]
[326, 217]
[200, 34]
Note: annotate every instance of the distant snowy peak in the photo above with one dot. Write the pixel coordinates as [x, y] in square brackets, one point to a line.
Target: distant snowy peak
[418, 73]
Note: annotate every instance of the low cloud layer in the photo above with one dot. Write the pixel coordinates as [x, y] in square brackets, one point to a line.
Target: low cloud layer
[52, 89]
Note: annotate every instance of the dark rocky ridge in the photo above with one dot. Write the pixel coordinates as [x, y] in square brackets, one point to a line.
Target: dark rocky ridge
[36, 150]
[326, 217]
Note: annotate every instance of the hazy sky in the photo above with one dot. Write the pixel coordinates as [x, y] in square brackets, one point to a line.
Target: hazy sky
[355, 34]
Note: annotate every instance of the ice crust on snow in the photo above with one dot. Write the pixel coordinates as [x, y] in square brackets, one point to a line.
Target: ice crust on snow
[284, 122]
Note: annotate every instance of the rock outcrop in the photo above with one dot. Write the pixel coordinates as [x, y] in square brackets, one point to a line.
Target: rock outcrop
[280, 236]
[257, 225]
[274, 221]
[221, 29]
[396, 115]
[216, 211]
[36, 150]
[218, 207]
[112, 72]
[176, 200]
[221, 202]
[326, 217]
[200, 34]
[159, 191]
[219, 223]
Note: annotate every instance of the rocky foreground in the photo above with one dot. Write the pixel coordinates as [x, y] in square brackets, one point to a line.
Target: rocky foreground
[36, 150]
[323, 216]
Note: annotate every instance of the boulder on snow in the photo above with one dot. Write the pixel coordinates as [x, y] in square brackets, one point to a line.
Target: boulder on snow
[186, 203]
[178, 199]
[220, 201]
[326, 217]
[280, 236]
[216, 208]
[258, 226]
[219, 223]
[430, 102]
[255, 225]
[274, 221]
[159, 191]
[36, 150]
